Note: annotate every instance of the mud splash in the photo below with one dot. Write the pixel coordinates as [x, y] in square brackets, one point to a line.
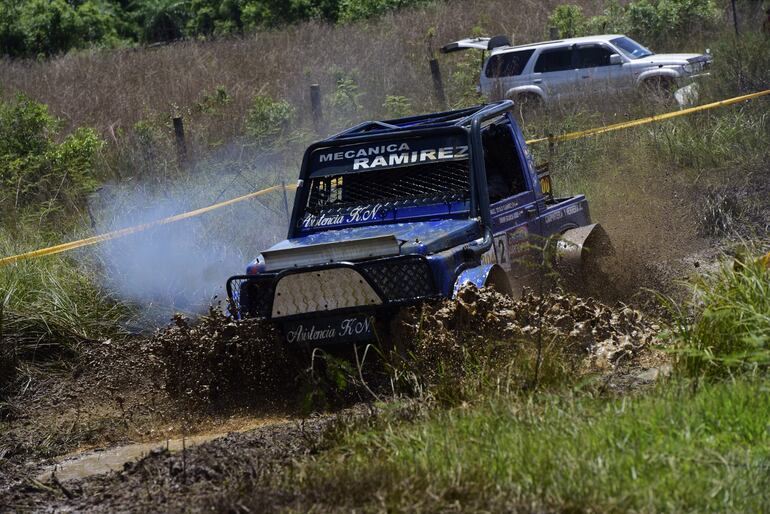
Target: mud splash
[450, 340]
[218, 362]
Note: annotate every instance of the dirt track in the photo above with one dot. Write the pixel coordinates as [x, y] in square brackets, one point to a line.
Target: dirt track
[207, 379]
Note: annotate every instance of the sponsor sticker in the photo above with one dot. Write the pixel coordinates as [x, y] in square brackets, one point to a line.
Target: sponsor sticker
[338, 329]
[357, 214]
[389, 154]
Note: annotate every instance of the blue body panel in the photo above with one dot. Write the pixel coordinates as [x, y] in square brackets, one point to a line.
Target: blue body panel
[419, 237]
[379, 215]
[461, 241]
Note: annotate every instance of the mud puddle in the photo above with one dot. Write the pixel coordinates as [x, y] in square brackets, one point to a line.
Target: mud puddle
[79, 465]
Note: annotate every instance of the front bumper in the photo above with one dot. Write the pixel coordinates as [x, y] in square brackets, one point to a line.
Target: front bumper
[332, 289]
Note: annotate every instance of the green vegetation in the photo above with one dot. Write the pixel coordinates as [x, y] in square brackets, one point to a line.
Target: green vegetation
[730, 332]
[268, 119]
[669, 451]
[48, 27]
[655, 22]
[36, 172]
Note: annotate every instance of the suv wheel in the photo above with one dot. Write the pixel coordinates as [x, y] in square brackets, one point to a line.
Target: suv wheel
[527, 105]
[659, 89]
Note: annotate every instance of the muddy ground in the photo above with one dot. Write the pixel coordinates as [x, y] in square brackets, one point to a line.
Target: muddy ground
[253, 418]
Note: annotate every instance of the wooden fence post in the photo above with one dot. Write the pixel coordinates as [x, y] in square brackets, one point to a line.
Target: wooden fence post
[285, 202]
[181, 145]
[315, 108]
[438, 84]
[553, 33]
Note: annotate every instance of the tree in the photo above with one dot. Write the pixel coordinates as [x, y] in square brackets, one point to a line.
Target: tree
[161, 20]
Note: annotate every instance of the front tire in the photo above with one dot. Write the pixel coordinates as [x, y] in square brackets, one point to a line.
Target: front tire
[659, 89]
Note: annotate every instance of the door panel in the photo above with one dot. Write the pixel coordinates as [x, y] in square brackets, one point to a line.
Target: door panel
[595, 74]
[513, 226]
[555, 72]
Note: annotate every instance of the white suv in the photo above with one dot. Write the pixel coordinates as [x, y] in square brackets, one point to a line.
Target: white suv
[565, 69]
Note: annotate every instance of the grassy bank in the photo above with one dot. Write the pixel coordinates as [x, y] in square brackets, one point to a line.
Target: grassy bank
[671, 451]
[697, 442]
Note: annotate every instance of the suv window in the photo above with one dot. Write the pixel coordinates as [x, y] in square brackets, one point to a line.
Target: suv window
[508, 64]
[554, 60]
[593, 56]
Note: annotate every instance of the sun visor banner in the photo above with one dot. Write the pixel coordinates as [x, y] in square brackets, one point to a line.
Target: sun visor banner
[388, 154]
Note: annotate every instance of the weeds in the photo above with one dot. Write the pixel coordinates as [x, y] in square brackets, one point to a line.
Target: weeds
[729, 333]
[668, 451]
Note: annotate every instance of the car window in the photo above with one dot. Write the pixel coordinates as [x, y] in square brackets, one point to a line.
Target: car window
[593, 56]
[508, 64]
[631, 48]
[554, 60]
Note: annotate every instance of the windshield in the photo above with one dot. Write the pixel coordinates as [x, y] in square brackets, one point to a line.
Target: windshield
[374, 182]
[631, 48]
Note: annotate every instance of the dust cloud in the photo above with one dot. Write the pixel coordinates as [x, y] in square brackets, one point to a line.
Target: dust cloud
[183, 266]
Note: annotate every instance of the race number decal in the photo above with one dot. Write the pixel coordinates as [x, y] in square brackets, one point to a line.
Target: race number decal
[498, 254]
[501, 247]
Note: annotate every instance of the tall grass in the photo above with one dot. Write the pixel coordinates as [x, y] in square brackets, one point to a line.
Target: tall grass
[669, 452]
[729, 332]
[48, 309]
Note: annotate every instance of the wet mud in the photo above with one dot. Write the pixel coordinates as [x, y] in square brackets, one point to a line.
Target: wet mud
[106, 435]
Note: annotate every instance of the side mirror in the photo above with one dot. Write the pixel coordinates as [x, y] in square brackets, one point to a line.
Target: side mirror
[616, 59]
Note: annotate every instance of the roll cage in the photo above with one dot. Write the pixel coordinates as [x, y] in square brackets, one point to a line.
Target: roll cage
[467, 122]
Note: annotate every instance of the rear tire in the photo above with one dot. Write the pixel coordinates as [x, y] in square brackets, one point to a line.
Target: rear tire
[527, 106]
[499, 281]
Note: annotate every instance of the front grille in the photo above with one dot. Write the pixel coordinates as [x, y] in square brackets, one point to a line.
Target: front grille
[402, 278]
[434, 182]
[250, 298]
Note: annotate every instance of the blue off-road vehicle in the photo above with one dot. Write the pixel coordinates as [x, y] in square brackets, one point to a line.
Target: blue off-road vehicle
[398, 212]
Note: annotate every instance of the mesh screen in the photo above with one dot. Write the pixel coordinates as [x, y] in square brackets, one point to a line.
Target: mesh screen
[435, 182]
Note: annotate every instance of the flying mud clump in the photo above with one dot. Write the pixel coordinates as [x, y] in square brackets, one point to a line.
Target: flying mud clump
[485, 323]
[218, 362]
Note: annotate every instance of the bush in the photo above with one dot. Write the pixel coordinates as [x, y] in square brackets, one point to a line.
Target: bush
[397, 106]
[730, 331]
[611, 21]
[568, 20]
[46, 27]
[651, 21]
[35, 171]
[268, 119]
[354, 10]
[345, 101]
[654, 21]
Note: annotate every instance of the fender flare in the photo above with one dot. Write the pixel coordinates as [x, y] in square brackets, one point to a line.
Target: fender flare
[482, 276]
[515, 91]
[657, 72]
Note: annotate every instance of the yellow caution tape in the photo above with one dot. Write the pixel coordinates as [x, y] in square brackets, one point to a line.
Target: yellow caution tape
[649, 119]
[133, 230]
[564, 137]
[765, 260]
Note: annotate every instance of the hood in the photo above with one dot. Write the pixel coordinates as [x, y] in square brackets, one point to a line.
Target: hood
[420, 237]
[669, 59]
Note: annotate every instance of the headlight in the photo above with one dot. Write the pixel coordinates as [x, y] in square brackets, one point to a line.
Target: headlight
[688, 68]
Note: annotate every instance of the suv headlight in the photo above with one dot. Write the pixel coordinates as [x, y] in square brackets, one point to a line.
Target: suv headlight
[689, 68]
